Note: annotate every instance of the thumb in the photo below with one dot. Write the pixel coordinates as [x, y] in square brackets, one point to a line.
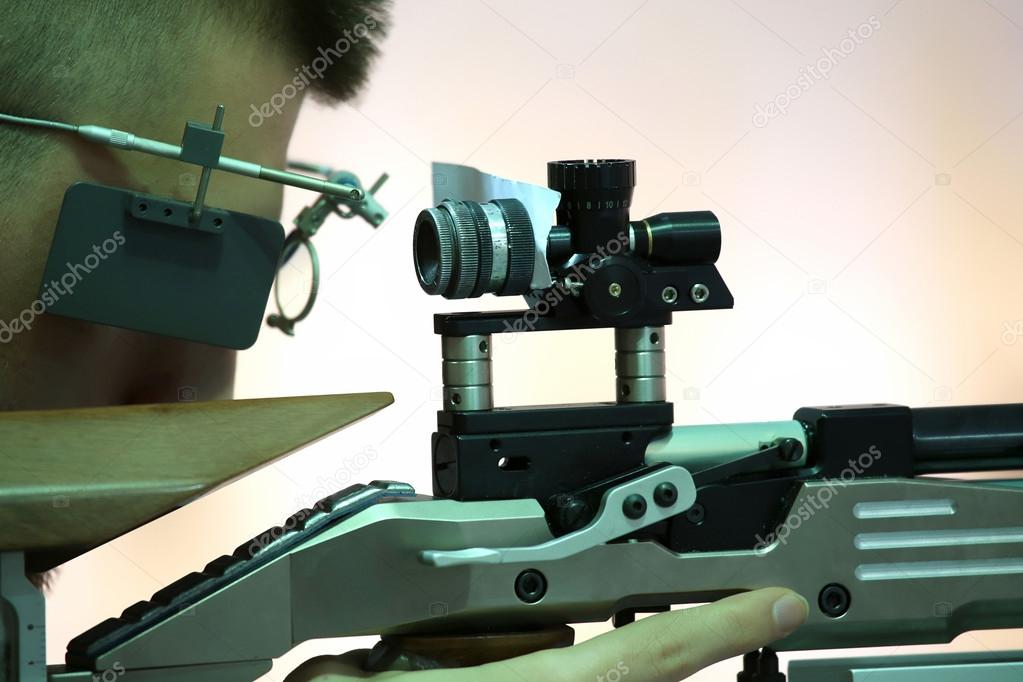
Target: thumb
[671, 646]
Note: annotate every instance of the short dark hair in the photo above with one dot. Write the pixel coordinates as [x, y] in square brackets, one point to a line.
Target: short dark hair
[344, 33]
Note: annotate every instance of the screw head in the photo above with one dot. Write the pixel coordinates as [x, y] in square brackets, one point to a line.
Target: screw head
[615, 289]
[665, 494]
[669, 295]
[790, 449]
[573, 512]
[530, 586]
[696, 514]
[699, 293]
[834, 600]
[634, 506]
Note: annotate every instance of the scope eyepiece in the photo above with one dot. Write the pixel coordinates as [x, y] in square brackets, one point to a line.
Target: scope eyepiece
[464, 249]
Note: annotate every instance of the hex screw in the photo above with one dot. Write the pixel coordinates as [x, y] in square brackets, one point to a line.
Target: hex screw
[834, 600]
[530, 586]
[665, 494]
[696, 514]
[699, 293]
[634, 506]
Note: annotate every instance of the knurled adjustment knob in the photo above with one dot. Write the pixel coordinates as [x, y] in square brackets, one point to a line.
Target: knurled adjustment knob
[467, 246]
[591, 174]
[521, 249]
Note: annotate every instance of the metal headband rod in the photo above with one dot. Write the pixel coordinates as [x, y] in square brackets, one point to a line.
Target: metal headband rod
[131, 142]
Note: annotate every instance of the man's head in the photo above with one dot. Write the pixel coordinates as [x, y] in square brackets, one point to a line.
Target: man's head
[130, 61]
[147, 66]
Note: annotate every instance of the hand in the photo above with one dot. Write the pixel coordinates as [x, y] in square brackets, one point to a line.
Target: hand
[663, 648]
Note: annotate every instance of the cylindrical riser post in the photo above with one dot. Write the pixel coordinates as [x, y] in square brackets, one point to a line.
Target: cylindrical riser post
[468, 383]
[639, 365]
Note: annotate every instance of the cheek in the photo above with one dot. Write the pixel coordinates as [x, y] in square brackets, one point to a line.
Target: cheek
[275, 202]
[260, 198]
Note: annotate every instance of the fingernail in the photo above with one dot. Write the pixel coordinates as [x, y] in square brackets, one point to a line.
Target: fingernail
[789, 612]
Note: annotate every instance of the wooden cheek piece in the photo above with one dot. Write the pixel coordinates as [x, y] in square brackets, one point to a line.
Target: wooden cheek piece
[425, 652]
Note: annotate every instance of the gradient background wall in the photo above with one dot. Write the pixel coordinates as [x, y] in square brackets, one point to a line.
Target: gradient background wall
[872, 232]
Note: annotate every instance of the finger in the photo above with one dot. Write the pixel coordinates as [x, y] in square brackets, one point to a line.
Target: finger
[670, 646]
[332, 668]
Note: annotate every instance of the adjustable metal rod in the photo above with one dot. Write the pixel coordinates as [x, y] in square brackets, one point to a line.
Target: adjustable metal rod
[129, 141]
[204, 179]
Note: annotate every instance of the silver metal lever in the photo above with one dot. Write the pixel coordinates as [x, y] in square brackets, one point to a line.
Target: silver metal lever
[625, 509]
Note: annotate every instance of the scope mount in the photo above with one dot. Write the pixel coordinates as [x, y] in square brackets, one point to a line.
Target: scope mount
[609, 278]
